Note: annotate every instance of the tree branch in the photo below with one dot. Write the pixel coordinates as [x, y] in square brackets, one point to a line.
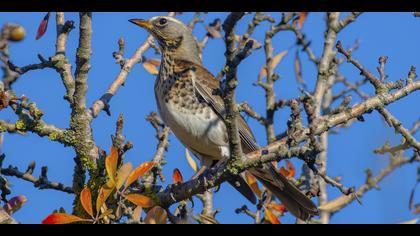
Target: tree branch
[279, 150]
[128, 64]
[41, 183]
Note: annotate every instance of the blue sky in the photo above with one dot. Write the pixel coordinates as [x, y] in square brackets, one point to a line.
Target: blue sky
[395, 35]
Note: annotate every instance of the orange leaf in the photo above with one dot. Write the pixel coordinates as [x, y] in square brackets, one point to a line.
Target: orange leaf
[137, 213]
[289, 171]
[177, 177]
[62, 218]
[42, 28]
[154, 61]
[86, 200]
[191, 160]
[157, 215]
[270, 217]
[291, 168]
[122, 174]
[111, 163]
[150, 65]
[284, 172]
[278, 207]
[138, 172]
[252, 182]
[274, 62]
[103, 195]
[140, 200]
[302, 18]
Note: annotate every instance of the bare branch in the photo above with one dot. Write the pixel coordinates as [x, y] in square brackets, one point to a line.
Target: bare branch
[279, 150]
[233, 58]
[371, 183]
[41, 183]
[103, 102]
[399, 128]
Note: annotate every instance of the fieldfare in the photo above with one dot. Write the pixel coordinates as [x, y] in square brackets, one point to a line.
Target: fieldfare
[189, 102]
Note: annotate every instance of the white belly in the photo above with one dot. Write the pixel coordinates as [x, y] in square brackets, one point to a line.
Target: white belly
[205, 135]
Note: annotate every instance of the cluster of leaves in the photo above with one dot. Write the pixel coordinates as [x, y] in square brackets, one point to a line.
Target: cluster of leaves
[119, 180]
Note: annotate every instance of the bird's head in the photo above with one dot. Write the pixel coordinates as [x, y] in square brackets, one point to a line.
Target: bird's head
[172, 35]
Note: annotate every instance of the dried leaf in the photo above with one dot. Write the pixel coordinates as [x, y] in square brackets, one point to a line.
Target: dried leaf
[42, 28]
[302, 18]
[252, 182]
[157, 215]
[177, 177]
[150, 65]
[62, 218]
[111, 163]
[140, 200]
[86, 200]
[103, 195]
[270, 217]
[298, 69]
[191, 161]
[154, 61]
[122, 174]
[277, 59]
[274, 62]
[137, 213]
[278, 207]
[410, 222]
[209, 219]
[139, 172]
[4, 100]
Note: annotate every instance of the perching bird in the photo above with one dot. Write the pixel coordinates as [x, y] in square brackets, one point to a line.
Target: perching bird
[189, 103]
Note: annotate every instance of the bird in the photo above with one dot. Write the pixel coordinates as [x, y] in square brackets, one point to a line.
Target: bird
[189, 101]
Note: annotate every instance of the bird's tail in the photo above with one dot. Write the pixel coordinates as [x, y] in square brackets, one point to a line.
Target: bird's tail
[293, 199]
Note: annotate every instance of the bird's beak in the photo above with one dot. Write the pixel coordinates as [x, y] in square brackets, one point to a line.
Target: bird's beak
[142, 23]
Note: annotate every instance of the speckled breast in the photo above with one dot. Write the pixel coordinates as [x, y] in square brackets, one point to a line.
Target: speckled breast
[189, 116]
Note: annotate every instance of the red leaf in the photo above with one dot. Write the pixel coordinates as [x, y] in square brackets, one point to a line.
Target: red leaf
[177, 177]
[61, 218]
[43, 26]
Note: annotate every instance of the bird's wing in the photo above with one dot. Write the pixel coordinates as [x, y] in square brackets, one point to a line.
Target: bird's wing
[208, 87]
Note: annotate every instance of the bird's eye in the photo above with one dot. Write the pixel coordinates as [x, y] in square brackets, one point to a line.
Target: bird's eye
[162, 21]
